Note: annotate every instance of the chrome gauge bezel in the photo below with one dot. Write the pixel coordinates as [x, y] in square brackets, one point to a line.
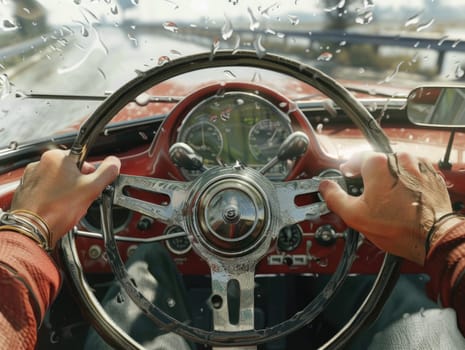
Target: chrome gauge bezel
[218, 122]
[175, 229]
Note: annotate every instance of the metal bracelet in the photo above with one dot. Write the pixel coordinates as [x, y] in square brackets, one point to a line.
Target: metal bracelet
[25, 226]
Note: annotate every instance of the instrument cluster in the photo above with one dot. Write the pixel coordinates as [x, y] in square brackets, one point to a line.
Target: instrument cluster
[236, 127]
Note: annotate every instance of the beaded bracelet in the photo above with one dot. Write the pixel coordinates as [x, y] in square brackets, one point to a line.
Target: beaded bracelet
[28, 224]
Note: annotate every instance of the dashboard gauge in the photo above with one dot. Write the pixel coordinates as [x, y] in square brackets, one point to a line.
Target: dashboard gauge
[236, 126]
[177, 245]
[289, 238]
[205, 139]
[92, 220]
[265, 138]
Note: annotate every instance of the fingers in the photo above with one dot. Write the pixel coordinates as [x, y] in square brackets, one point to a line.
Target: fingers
[338, 201]
[363, 163]
[87, 168]
[105, 174]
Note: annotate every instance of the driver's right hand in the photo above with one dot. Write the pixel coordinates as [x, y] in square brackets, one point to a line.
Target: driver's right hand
[403, 197]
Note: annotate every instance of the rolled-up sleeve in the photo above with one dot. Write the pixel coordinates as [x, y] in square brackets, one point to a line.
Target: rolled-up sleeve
[445, 264]
[29, 282]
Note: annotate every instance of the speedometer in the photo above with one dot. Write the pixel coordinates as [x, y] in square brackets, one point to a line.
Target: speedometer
[205, 139]
[265, 137]
[236, 126]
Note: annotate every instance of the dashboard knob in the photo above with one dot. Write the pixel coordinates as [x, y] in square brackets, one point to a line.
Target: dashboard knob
[185, 157]
[326, 235]
[293, 146]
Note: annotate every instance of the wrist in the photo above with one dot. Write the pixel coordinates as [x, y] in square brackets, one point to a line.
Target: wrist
[440, 227]
[28, 224]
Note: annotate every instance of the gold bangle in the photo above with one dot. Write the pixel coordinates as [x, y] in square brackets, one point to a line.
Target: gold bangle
[38, 220]
[28, 224]
[24, 232]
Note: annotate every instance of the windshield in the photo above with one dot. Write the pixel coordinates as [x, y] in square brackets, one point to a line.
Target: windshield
[90, 48]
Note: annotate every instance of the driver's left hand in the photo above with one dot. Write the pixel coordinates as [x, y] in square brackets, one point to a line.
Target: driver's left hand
[59, 192]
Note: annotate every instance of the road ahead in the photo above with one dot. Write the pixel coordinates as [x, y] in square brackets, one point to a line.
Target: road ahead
[91, 63]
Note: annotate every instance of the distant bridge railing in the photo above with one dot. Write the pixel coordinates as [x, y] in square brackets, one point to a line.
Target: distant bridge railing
[439, 44]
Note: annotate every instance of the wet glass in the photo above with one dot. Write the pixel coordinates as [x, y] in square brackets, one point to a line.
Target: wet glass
[90, 48]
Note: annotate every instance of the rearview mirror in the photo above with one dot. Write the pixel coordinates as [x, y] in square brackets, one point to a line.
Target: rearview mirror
[437, 106]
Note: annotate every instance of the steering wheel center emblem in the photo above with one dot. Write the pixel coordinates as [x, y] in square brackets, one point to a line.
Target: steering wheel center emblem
[231, 214]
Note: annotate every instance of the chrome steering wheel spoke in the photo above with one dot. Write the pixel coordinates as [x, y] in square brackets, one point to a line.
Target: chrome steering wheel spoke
[287, 192]
[170, 214]
[232, 300]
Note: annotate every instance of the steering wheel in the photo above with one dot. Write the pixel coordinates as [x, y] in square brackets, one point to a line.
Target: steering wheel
[212, 203]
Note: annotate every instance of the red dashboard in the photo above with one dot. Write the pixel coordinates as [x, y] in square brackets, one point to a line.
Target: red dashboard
[310, 247]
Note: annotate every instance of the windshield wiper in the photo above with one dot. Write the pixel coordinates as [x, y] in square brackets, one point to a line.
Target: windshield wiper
[374, 91]
[61, 96]
[141, 101]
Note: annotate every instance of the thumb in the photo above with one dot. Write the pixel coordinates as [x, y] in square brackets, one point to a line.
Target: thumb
[105, 174]
[337, 200]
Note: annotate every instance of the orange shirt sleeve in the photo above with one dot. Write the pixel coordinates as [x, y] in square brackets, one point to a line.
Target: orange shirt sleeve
[29, 282]
[445, 264]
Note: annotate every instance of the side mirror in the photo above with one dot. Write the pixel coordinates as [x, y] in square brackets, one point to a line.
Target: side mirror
[442, 107]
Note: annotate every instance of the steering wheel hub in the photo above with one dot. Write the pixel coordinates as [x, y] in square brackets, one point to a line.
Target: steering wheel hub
[230, 214]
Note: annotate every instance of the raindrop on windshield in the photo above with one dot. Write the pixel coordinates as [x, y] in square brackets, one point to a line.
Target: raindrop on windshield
[425, 25]
[162, 60]
[229, 74]
[5, 86]
[459, 72]
[270, 31]
[114, 10]
[237, 44]
[135, 2]
[254, 23]
[256, 78]
[293, 19]
[393, 74]
[120, 298]
[84, 31]
[265, 12]
[240, 101]
[329, 107]
[133, 39]
[365, 17]
[339, 5]
[415, 19]
[259, 49]
[20, 94]
[441, 41]
[454, 45]
[176, 52]
[102, 73]
[25, 9]
[215, 46]
[325, 56]
[170, 26]
[227, 29]
[8, 25]
[13, 145]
